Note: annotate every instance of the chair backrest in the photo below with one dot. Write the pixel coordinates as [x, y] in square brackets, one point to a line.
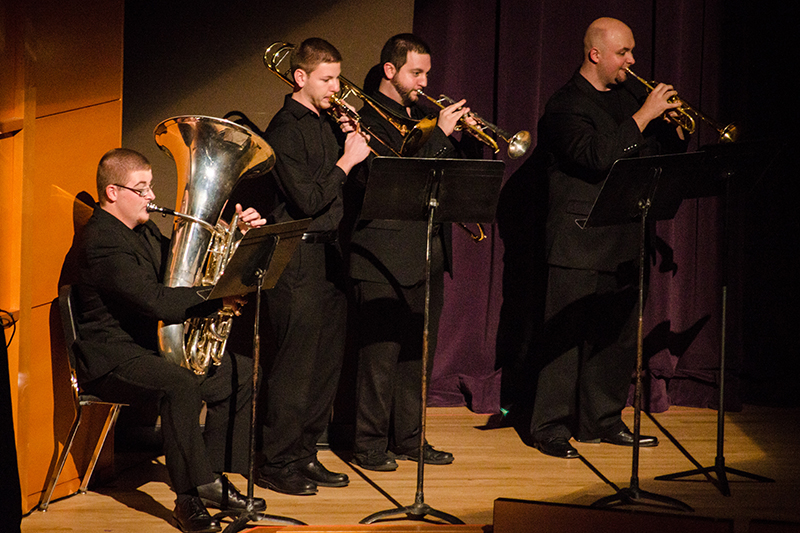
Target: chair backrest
[65, 301]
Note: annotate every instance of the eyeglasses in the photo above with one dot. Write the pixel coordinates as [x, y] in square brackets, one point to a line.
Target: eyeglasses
[141, 192]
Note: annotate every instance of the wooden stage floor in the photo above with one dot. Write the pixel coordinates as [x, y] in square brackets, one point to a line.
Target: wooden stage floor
[491, 464]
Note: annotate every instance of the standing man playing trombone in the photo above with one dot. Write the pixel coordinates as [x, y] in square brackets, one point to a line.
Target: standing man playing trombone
[387, 265]
[587, 348]
[307, 307]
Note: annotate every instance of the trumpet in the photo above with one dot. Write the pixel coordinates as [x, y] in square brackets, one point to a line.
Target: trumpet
[687, 116]
[415, 133]
[518, 143]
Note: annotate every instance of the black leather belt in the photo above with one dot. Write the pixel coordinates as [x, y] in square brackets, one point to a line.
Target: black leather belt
[321, 237]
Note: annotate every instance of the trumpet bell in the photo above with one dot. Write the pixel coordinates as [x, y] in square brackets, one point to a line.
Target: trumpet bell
[729, 133]
[518, 144]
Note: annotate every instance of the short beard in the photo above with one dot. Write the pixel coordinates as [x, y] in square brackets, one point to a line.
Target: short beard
[405, 94]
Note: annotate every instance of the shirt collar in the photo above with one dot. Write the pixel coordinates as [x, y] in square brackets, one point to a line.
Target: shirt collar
[390, 104]
[297, 109]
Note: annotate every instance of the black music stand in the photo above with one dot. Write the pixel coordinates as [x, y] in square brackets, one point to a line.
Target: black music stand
[642, 188]
[727, 162]
[257, 264]
[435, 190]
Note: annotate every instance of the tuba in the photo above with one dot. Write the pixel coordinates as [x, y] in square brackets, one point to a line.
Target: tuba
[211, 156]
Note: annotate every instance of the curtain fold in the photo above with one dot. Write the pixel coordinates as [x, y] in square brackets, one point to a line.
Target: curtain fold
[507, 58]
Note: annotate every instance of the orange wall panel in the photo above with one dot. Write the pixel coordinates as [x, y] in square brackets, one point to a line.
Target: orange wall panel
[10, 112]
[68, 148]
[79, 53]
[45, 408]
[10, 187]
[60, 110]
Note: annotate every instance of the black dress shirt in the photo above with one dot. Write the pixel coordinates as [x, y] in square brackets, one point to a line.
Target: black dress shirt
[308, 181]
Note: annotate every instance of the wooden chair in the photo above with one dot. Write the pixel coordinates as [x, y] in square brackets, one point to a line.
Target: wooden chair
[80, 399]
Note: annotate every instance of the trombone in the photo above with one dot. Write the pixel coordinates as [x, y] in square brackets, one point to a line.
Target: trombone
[687, 116]
[275, 54]
[518, 143]
[415, 133]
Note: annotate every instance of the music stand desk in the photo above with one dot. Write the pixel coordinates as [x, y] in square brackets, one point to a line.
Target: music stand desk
[434, 190]
[257, 263]
[640, 189]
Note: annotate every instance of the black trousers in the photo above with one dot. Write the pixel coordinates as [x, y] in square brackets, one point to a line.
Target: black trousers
[307, 309]
[586, 353]
[390, 322]
[193, 454]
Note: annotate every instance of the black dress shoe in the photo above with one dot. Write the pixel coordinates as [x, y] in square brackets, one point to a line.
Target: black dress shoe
[221, 494]
[286, 480]
[625, 438]
[316, 472]
[430, 455]
[375, 460]
[557, 447]
[191, 516]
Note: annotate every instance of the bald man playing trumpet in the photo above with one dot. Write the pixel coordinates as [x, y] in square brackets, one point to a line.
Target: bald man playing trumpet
[586, 349]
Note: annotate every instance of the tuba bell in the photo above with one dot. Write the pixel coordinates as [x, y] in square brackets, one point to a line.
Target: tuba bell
[211, 156]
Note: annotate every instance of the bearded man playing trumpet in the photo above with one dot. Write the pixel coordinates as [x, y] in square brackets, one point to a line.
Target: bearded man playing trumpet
[387, 265]
[119, 301]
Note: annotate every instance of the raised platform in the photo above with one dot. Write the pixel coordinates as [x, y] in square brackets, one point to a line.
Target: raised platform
[492, 464]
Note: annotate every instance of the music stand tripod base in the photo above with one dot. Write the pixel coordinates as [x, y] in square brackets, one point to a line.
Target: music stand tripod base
[639, 188]
[435, 190]
[635, 496]
[417, 511]
[259, 259]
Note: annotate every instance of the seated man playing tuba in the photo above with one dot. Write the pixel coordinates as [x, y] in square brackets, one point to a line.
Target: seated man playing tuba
[120, 299]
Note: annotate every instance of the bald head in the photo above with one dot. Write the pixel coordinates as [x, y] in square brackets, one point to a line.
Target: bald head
[608, 50]
[603, 30]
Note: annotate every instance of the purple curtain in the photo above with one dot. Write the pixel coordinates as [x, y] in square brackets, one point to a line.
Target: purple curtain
[506, 58]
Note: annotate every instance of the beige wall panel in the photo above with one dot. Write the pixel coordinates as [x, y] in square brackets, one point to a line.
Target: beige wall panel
[68, 147]
[78, 51]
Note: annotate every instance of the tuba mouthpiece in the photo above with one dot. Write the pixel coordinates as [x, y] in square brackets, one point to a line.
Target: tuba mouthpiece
[151, 207]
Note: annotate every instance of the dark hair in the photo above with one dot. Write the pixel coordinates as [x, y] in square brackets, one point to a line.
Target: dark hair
[115, 166]
[311, 53]
[396, 49]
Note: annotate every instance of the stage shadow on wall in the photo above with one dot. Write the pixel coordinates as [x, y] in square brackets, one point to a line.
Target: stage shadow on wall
[521, 219]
